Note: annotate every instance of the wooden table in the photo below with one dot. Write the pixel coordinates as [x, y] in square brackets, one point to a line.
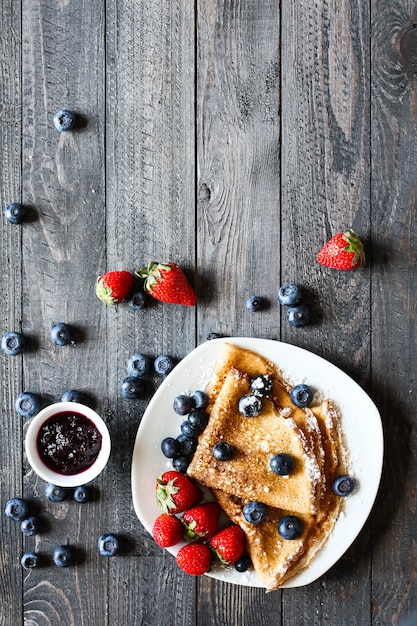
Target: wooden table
[234, 138]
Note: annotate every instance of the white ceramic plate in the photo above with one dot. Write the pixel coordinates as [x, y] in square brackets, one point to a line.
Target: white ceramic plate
[361, 425]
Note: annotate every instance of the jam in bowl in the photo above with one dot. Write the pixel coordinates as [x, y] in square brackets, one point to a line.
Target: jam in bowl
[67, 444]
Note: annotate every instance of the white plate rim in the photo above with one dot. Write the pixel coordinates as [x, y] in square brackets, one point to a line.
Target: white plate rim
[361, 425]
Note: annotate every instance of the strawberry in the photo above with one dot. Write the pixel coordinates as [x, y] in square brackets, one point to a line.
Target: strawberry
[175, 492]
[228, 544]
[194, 559]
[167, 530]
[343, 251]
[113, 287]
[201, 521]
[168, 283]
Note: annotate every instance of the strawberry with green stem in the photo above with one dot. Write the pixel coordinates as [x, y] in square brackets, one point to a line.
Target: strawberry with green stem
[176, 493]
[114, 287]
[344, 251]
[167, 282]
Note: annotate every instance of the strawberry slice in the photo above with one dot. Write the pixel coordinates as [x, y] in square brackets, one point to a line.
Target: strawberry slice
[167, 282]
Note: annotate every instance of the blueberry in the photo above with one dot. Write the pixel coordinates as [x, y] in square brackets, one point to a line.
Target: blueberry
[243, 564]
[189, 430]
[180, 463]
[187, 445]
[164, 364]
[13, 343]
[54, 493]
[282, 464]
[133, 388]
[290, 527]
[27, 404]
[254, 512]
[108, 545]
[250, 405]
[261, 385]
[170, 447]
[17, 509]
[61, 334]
[139, 365]
[302, 395]
[182, 404]
[290, 295]
[343, 485]
[138, 301]
[223, 451]
[199, 399]
[212, 335]
[299, 315]
[64, 556]
[15, 213]
[29, 560]
[73, 395]
[255, 303]
[198, 419]
[30, 526]
[64, 120]
[81, 494]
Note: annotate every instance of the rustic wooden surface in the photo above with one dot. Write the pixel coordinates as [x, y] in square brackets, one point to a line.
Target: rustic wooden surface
[233, 137]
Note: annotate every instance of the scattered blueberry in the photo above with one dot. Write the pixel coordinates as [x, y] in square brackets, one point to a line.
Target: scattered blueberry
[170, 447]
[290, 527]
[27, 404]
[15, 213]
[64, 120]
[290, 295]
[210, 336]
[108, 545]
[250, 405]
[30, 526]
[199, 399]
[254, 512]
[182, 404]
[223, 451]
[133, 388]
[255, 303]
[164, 364]
[54, 493]
[299, 315]
[81, 494]
[61, 334]
[243, 564]
[73, 395]
[198, 419]
[261, 385]
[29, 560]
[138, 301]
[302, 395]
[139, 365]
[343, 485]
[187, 445]
[180, 463]
[64, 556]
[282, 464]
[17, 509]
[189, 430]
[13, 343]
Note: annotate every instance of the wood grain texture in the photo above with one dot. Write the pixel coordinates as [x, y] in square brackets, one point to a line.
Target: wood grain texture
[11, 309]
[394, 337]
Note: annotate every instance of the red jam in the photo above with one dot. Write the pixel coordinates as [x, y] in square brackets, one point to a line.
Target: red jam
[68, 443]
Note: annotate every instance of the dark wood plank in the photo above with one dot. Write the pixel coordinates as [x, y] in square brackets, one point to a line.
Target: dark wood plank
[394, 239]
[238, 166]
[11, 309]
[63, 176]
[150, 199]
[326, 188]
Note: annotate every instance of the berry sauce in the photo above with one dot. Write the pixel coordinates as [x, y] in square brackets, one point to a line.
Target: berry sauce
[68, 443]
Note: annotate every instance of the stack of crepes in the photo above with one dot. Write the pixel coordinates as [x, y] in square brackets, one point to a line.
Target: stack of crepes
[312, 436]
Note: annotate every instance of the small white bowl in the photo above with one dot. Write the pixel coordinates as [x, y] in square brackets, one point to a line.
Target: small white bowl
[36, 461]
